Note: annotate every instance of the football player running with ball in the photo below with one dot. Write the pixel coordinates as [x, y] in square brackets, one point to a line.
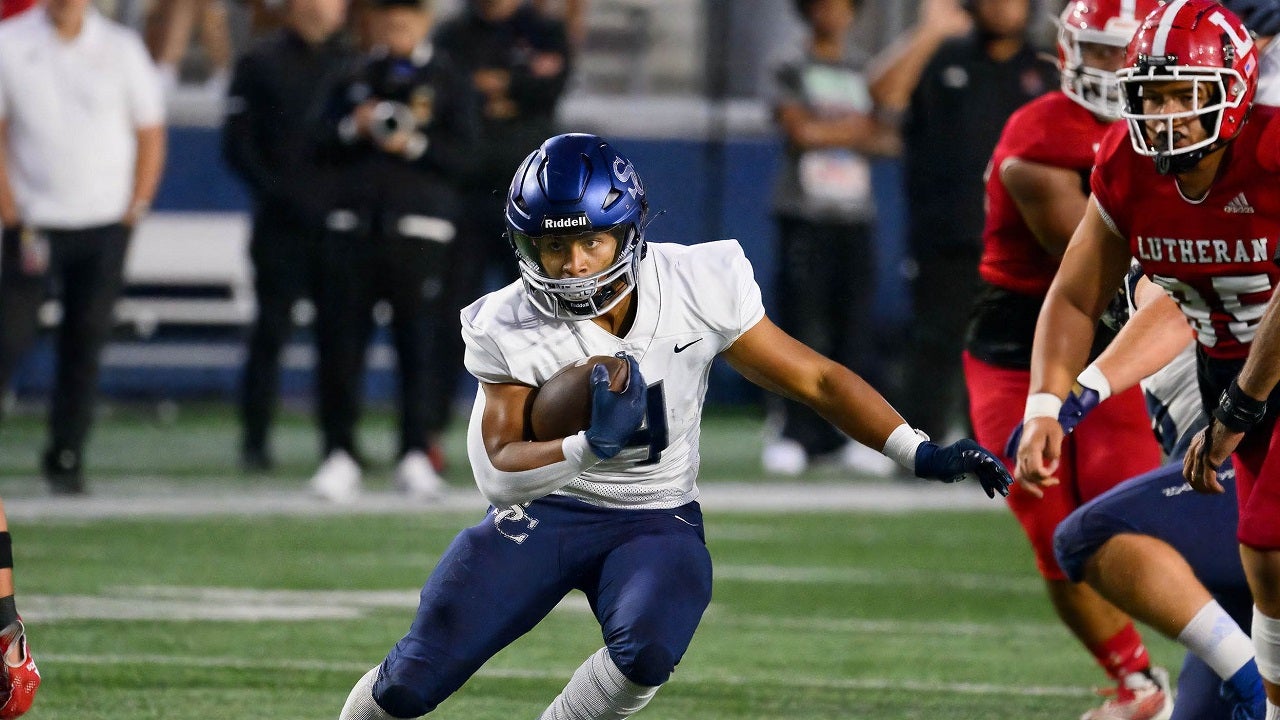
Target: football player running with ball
[1188, 186]
[611, 511]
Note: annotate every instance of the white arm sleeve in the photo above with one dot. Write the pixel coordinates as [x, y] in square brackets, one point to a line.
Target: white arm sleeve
[504, 489]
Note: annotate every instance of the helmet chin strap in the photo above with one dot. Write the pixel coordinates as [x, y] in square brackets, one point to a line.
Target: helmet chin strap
[1171, 164]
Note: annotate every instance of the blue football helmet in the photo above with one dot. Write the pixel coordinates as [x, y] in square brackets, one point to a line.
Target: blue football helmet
[577, 184]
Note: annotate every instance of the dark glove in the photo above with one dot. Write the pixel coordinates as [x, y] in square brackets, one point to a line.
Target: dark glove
[963, 460]
[615, 415]
[1074, 408]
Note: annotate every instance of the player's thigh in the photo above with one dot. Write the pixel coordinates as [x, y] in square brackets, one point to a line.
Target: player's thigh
[650, 595]
[1113, 444]
[1157, 504]
[1257, 464]
[491, 586]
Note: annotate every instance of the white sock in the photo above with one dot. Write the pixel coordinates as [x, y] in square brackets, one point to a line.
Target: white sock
[1217, 640]
[1273, 711]
[360, 704]
[599, 691]
[1266, 645]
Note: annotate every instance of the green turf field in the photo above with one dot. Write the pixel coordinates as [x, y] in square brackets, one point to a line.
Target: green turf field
[815, 615]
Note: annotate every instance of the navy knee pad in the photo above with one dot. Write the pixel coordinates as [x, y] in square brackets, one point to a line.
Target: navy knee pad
[1078, 537]
[401, 700]
[650, 665]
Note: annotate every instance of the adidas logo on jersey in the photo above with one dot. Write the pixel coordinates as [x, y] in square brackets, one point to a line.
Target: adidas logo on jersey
[1239, 205]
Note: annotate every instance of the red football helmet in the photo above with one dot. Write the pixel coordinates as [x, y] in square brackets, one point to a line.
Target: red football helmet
[1099, 22]
[1203, 43]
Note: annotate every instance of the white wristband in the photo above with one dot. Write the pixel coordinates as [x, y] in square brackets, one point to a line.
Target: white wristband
[577, 451]
[1042, 405]
[902, 445]
[1093, 379]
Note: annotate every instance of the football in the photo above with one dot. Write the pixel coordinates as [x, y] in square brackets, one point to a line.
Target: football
[562, 406]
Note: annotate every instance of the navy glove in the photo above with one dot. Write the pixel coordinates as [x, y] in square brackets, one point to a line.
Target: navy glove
[615, 415]
[963, 460]
[1074, 408]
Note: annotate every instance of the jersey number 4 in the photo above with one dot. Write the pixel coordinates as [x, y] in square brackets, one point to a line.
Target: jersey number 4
[652, 436]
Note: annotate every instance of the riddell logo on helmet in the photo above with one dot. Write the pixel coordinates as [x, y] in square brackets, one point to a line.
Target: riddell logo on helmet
[565, 223]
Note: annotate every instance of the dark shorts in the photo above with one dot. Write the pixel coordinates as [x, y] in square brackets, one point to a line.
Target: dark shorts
[645, 573]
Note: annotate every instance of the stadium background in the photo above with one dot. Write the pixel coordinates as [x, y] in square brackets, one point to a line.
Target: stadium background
[674, 82]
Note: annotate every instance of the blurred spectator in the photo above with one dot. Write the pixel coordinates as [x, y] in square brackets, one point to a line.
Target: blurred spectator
[574, 15]
[825, 214]
[9, 8]
[518, 61]
[277, 99]
[956, 91]
[81, 151]
[404, 132]
[169, 30]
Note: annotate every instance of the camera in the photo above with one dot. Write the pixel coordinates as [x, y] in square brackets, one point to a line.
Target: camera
[389, 118]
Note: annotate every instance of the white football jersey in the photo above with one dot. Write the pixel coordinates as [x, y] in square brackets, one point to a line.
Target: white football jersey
[694, 302]
[1173, 400]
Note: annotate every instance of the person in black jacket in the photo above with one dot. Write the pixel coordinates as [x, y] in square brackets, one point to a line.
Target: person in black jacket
[277, 99]
[518, 60]
[403, 132]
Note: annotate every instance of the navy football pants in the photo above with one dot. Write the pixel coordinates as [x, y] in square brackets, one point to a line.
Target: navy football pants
[646, 573]
[1202, 528]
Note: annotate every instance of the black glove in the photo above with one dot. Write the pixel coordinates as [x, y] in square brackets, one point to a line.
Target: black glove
[963, 460]
[615, 415]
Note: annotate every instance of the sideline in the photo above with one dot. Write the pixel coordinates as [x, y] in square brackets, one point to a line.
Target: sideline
[152, 497]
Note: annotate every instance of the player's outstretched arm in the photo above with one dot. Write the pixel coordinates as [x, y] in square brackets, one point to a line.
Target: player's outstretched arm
[777, 362]
[22, 678]
[1150, 340]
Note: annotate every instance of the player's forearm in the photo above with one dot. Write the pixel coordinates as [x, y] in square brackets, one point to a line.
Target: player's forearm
[1151, 339]
[520, 472]
[1261, 370]
[858, 409]
[1064, 334]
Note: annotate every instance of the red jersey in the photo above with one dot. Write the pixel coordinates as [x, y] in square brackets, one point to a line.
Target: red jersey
[9, 8]
[1215, 256]
[1050, 130]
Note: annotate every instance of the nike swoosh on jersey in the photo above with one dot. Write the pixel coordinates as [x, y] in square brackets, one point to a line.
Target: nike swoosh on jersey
[681, 348]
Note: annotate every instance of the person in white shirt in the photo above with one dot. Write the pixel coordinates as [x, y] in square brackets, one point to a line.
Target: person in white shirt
[613, 510]
[82, 147]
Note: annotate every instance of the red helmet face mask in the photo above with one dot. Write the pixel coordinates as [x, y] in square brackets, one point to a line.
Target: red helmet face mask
[1109, 23]
[1191, 60]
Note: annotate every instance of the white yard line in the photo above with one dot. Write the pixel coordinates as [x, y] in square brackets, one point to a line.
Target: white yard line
[683, 677]
[146, 497]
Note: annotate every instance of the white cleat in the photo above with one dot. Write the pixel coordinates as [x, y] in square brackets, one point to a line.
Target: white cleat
[417, 478]
[337, 479]
[1139, 697]
[784, 457]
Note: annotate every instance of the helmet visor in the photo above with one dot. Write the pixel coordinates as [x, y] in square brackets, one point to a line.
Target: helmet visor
[549, 255]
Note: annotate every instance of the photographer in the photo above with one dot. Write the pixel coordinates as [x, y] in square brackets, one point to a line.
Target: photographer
[402, 133]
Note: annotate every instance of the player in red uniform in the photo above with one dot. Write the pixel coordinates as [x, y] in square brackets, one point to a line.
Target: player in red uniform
[1035, 196]
[1204, 220]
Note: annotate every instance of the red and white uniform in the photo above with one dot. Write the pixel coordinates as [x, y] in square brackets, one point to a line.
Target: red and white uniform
[1215, 257]
[1114, 443]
